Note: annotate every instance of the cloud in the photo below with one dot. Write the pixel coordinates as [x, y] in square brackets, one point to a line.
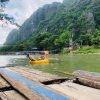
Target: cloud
[4, 30]
[21, 10]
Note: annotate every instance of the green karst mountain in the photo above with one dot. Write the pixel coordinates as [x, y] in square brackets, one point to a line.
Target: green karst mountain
[56, 25]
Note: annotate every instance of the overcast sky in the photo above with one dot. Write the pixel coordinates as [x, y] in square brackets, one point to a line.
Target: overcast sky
[20, 10]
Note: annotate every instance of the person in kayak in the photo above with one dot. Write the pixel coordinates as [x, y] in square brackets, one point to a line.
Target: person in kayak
[29, 57]
[44, 55]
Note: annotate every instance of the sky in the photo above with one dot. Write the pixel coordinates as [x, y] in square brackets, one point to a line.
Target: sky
[20, 10]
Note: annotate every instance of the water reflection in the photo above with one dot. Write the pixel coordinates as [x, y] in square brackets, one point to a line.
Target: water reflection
[19, 60]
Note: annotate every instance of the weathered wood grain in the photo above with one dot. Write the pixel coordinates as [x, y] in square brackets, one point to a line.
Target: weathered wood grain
[36, 75]
[11, 95]
[31, 89]
[3, 83]
[79, 92]
[22, 88]
[88, 78]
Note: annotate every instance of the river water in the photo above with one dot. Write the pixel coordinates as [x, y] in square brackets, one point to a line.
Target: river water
[13, 60]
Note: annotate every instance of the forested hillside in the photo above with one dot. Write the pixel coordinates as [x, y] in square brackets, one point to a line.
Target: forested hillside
[59, 25]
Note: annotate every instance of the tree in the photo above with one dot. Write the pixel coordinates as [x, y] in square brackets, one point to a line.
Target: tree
[63, 39]
[43, 40]
[85, 39]
[5, 17]
[96, 38]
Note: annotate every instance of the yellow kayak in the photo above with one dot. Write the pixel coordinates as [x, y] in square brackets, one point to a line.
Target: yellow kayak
[40, 61]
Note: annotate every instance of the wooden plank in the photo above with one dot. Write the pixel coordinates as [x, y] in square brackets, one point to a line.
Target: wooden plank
[11, 95]
[88, 78]
[36, 75]
[79, 92]
[21, 87]
[3, 83]
[31, 89]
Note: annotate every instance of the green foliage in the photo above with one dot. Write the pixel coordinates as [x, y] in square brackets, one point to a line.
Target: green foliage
[86, 50]
[63, 39]
[54, 25]
[96, 38]
[85, 39]
[43, 40]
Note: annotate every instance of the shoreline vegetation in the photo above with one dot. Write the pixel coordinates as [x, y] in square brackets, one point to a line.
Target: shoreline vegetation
[83, 50]
[80, 50]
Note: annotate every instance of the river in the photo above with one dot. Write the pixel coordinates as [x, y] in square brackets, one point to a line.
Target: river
[13, 60]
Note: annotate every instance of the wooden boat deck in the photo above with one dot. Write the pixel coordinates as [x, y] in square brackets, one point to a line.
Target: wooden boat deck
[3, 83]
[11, 95]
[35, 75]
[25, 84]
[79, 92]
[7, 92]
[20, 83]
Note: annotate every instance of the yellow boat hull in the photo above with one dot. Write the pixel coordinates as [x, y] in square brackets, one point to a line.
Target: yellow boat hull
[45, 61]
